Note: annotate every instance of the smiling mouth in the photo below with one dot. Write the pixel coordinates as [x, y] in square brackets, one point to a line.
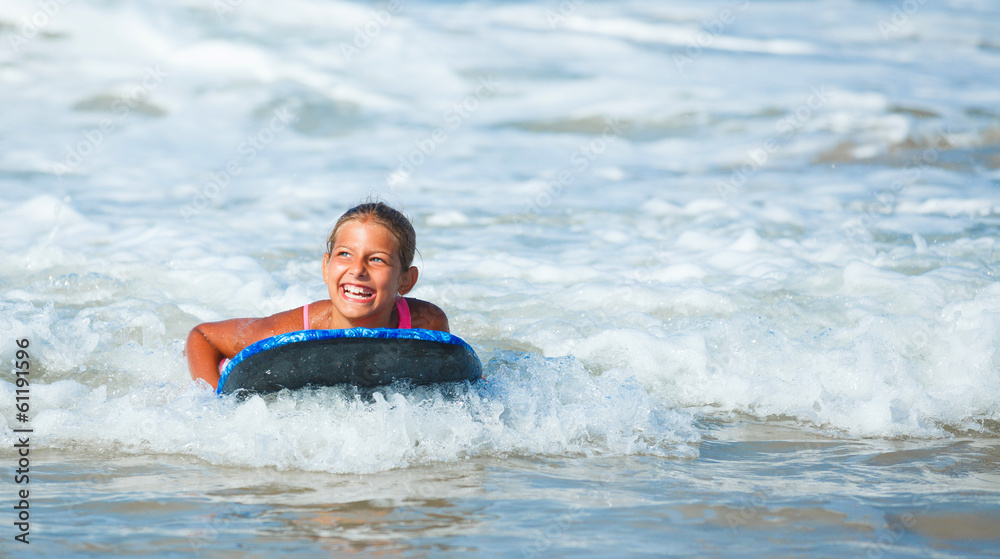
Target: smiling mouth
[357, 293]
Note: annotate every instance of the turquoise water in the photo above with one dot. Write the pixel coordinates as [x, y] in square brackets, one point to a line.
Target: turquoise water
[730, 267]
[757, 489]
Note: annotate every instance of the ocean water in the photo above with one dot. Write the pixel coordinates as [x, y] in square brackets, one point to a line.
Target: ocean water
[730, 267]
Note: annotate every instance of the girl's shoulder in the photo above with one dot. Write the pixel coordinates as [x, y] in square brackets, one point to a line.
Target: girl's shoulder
[235, 334]
[427, 315]
[278, 323]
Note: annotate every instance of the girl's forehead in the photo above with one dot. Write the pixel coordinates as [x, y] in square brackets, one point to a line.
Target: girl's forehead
[367, 232]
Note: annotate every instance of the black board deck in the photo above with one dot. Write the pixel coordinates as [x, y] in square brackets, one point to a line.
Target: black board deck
[360, 357]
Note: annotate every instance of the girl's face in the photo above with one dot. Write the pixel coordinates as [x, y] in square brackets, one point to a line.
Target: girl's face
[364, 274]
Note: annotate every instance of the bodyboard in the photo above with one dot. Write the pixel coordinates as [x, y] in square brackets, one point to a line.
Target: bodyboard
[361, 357]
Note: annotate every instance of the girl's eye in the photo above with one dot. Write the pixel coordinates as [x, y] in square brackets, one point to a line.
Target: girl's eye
[378, 259]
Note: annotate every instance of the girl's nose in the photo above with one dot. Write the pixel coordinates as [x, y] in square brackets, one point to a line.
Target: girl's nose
[358, 268]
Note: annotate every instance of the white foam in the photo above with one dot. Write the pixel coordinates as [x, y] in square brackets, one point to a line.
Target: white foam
[857, 296]
[951, 207]
[223, 57]
[447, 219]
[528, 405]
[682, 36]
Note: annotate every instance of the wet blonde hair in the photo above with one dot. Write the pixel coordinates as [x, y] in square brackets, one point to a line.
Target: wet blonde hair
[385, 215]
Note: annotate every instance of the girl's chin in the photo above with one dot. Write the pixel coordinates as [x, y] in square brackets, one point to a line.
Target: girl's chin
[356, 310]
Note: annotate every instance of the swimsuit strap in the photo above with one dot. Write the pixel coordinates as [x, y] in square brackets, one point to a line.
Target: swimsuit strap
[403, 308]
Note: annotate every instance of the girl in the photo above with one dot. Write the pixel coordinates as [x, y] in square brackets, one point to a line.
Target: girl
[367, 270]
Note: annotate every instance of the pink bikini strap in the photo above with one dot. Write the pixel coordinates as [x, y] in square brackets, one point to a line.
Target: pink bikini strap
[403, 308]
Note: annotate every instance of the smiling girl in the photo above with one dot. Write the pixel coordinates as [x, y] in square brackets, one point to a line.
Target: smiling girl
[367, 269]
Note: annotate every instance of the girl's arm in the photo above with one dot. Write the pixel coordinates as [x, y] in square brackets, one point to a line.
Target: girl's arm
[210, 342]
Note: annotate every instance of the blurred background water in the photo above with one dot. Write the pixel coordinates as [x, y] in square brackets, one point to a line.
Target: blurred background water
[730, 267]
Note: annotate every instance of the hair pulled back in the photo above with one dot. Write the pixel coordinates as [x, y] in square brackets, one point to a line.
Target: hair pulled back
[385, 215]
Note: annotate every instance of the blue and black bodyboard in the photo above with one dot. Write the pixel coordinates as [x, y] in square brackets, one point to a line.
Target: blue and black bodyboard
[362, 357]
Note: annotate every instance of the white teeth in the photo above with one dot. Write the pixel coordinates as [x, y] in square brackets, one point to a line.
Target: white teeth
[360, 292]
